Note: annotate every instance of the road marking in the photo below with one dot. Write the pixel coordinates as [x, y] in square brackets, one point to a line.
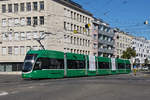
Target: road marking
[30, 87]
[3, 93]
[14, 92]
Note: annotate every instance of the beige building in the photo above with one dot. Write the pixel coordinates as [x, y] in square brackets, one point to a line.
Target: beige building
[60, 24]
[122, 42]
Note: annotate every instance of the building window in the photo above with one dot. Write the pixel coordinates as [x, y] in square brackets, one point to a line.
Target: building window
[80, 18]
[94, 45]
[16, 21]
[22, 36]
[10, 50]
[71, 40]
[3, 8]
[41, 5]
[35, 35]
[10, 22]
[65, 26]
[22, 50]
[74, 40]
[4, 22]
[41, 20]
[29, 36]
[28, 48]
[88, 43]
[77, 41]
[16, 36]
[71, 27]
[68, 26]
[4, 36]
[29, 21]
[22, 7]
[74, 16]
[10, 36]
[16, 7]
[28, 6]
[9, 7]
[94, 36]
[4, 51]
[41, 33]
[16, 50]
[35, 6]
[35, 21]
[22, 21]
[77, 17]
[71, 14]
[35, 48]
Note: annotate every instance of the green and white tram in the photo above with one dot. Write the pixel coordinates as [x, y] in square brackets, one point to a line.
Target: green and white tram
[56, 64]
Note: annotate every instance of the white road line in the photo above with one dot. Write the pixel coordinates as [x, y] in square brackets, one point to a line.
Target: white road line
[14, 92]
[2, 93]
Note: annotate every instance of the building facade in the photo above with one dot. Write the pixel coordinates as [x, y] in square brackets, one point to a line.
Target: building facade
[59, 24]
[122, 42]
[142, 48]
[105, 40]
[95, 31]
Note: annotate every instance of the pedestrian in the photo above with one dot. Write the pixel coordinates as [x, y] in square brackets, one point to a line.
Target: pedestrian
[134, 70]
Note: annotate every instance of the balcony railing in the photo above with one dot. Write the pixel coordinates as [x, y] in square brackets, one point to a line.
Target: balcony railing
[106, 42]
[110, 34]
[106, 50]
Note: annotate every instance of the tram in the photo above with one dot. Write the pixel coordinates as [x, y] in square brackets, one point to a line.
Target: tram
[56, 64]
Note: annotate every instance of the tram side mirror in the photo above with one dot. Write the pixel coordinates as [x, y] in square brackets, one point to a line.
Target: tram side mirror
[37, 65]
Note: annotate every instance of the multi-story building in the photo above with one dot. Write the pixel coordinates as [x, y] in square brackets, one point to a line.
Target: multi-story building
[60, 24]
[105, 40]
[122, 42]
[95, 31]
[142, 48]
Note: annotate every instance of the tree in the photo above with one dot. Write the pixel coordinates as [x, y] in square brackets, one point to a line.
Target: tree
[128, 53]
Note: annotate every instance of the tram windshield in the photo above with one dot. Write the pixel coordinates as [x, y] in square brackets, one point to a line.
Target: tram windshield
[30, 56]
[28, 62]
[27, 66]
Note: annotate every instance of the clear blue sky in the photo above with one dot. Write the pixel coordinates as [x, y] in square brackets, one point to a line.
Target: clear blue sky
[128, 15]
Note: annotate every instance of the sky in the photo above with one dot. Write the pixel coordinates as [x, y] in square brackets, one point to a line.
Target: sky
[127, 15]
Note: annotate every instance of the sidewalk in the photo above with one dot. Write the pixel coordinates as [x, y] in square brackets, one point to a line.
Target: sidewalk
[140, 74]
[10, 73]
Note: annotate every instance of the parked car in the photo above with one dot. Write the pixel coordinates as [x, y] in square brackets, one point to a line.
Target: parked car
[145, 68]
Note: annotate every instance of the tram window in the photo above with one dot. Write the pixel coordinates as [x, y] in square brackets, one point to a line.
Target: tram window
[51, 63]
[37, 65]
[44, 63]
[81, 64]
[121, 66]
[128, 66]
[56, 64]
[103, 65]
[75, 64]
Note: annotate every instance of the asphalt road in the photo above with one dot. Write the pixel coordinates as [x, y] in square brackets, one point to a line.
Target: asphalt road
[112, 87]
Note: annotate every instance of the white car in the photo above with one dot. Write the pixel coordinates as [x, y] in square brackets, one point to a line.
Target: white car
[145, 68]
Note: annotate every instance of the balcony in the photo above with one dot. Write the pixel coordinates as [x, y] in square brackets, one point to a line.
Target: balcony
[105, 42]
[109, 34]
[105, 50]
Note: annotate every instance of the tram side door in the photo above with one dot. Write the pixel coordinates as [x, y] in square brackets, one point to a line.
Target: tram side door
[113, 64]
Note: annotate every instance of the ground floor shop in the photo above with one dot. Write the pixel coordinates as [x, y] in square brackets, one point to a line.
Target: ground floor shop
[11, 66]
